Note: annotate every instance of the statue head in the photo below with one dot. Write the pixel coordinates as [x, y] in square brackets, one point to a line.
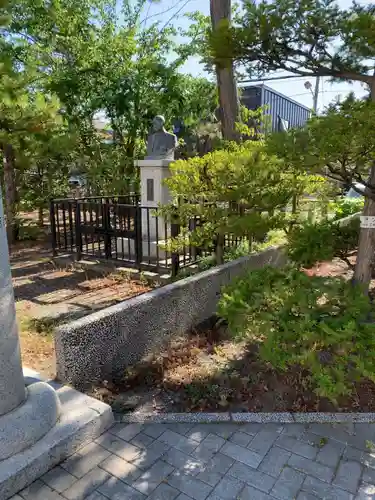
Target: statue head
[158, 123]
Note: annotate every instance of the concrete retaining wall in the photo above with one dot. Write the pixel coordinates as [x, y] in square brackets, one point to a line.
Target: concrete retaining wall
[100, 346]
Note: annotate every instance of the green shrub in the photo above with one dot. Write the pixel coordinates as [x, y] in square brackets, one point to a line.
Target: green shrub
[343, 207]
[315, 242]
[320, 324]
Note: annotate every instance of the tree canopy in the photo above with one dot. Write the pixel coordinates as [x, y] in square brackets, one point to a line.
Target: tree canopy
[307, 38]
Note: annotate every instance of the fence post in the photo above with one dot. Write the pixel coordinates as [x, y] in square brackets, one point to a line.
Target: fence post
[107, 228]
[175, 231]
[78, 230]
[53, 227]
[138, 235]
[219, 249]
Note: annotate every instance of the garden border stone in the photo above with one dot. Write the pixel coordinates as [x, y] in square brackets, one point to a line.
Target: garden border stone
[102, 345]
[245, 417]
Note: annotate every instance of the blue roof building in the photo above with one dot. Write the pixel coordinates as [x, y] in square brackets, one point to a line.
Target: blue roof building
[285, 112]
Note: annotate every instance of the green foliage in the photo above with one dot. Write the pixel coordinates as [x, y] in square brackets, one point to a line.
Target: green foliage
[239, 190]
[338, 144]
[320, 324]
[343, 207]
[308, 37]
[65, 62]
[314, 242]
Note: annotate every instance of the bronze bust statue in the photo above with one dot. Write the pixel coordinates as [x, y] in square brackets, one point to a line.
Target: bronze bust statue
[161, 144]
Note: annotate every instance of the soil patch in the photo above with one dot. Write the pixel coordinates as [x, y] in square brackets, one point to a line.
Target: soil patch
[47, 295]
[207, 371]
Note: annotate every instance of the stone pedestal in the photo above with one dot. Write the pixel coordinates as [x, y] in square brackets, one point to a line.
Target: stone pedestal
[153, 193]
[27, 414]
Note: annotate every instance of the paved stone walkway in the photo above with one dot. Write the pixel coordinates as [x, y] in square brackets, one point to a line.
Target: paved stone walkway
[217, 462]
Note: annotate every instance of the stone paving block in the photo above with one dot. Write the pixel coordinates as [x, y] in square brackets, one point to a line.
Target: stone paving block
[250, 428]
[149, 480]
[240, 438]
[241, 454]
[219, 463]
[253, 477]
[178, 441]
[228, 488]
[209, 477]
[194, 488]
[263, 441]
[294, 430]
[275, 460]
[182, 429]
[38, 491]
[213, 442]
[249, 493]
[324, 490]
[115, 489]
[339, 433]
[366, 492]
[351, 453]
[164, 492]
[203, 453]
[86, 485]
[198, 432]
[85, 459]
[368, 459]
[142, 440]
[118, 446]
[16, 497]
[348, 475]
[182, 496]
[296, 446]
[208, 447]
[149, 456]
[369, 475]
[154, 430]
[223, 430]
[190, 465]
[58, 479]
[288, 484]
[312, 439]
[311, 468]
[330, 453]
[126, 431]
[303, 495]
[95, 495]
[121, 469]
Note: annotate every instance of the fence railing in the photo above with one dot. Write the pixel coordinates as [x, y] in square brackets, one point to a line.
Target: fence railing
[105, 228]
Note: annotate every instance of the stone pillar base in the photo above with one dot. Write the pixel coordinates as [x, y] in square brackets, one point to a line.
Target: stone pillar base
[71, 420]
[25, 425]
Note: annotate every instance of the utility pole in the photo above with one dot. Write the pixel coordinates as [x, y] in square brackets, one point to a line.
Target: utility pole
[228, 96]
[316, 95]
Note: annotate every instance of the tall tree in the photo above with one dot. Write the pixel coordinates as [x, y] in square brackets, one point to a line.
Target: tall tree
[228, 97]
[311, 38]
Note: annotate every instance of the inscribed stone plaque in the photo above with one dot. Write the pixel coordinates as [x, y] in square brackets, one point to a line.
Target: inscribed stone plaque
[150, 189]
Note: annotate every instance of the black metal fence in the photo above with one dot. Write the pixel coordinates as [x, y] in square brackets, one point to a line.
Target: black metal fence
[120, 229]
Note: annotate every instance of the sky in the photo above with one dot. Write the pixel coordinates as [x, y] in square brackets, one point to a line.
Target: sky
[293, 87]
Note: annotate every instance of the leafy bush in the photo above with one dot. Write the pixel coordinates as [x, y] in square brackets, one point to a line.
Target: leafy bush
[343, 207]
[315, 242]
[320, 324]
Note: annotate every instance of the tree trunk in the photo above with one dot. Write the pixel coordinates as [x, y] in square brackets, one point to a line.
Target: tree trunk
[10, 194]
[366, 245]
[40, 216]
[228, 96]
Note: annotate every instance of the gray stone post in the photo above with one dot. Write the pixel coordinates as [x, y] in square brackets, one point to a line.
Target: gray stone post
[12, 384]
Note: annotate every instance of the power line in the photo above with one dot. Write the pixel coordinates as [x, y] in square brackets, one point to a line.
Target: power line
[321, 92]
[286, 77]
